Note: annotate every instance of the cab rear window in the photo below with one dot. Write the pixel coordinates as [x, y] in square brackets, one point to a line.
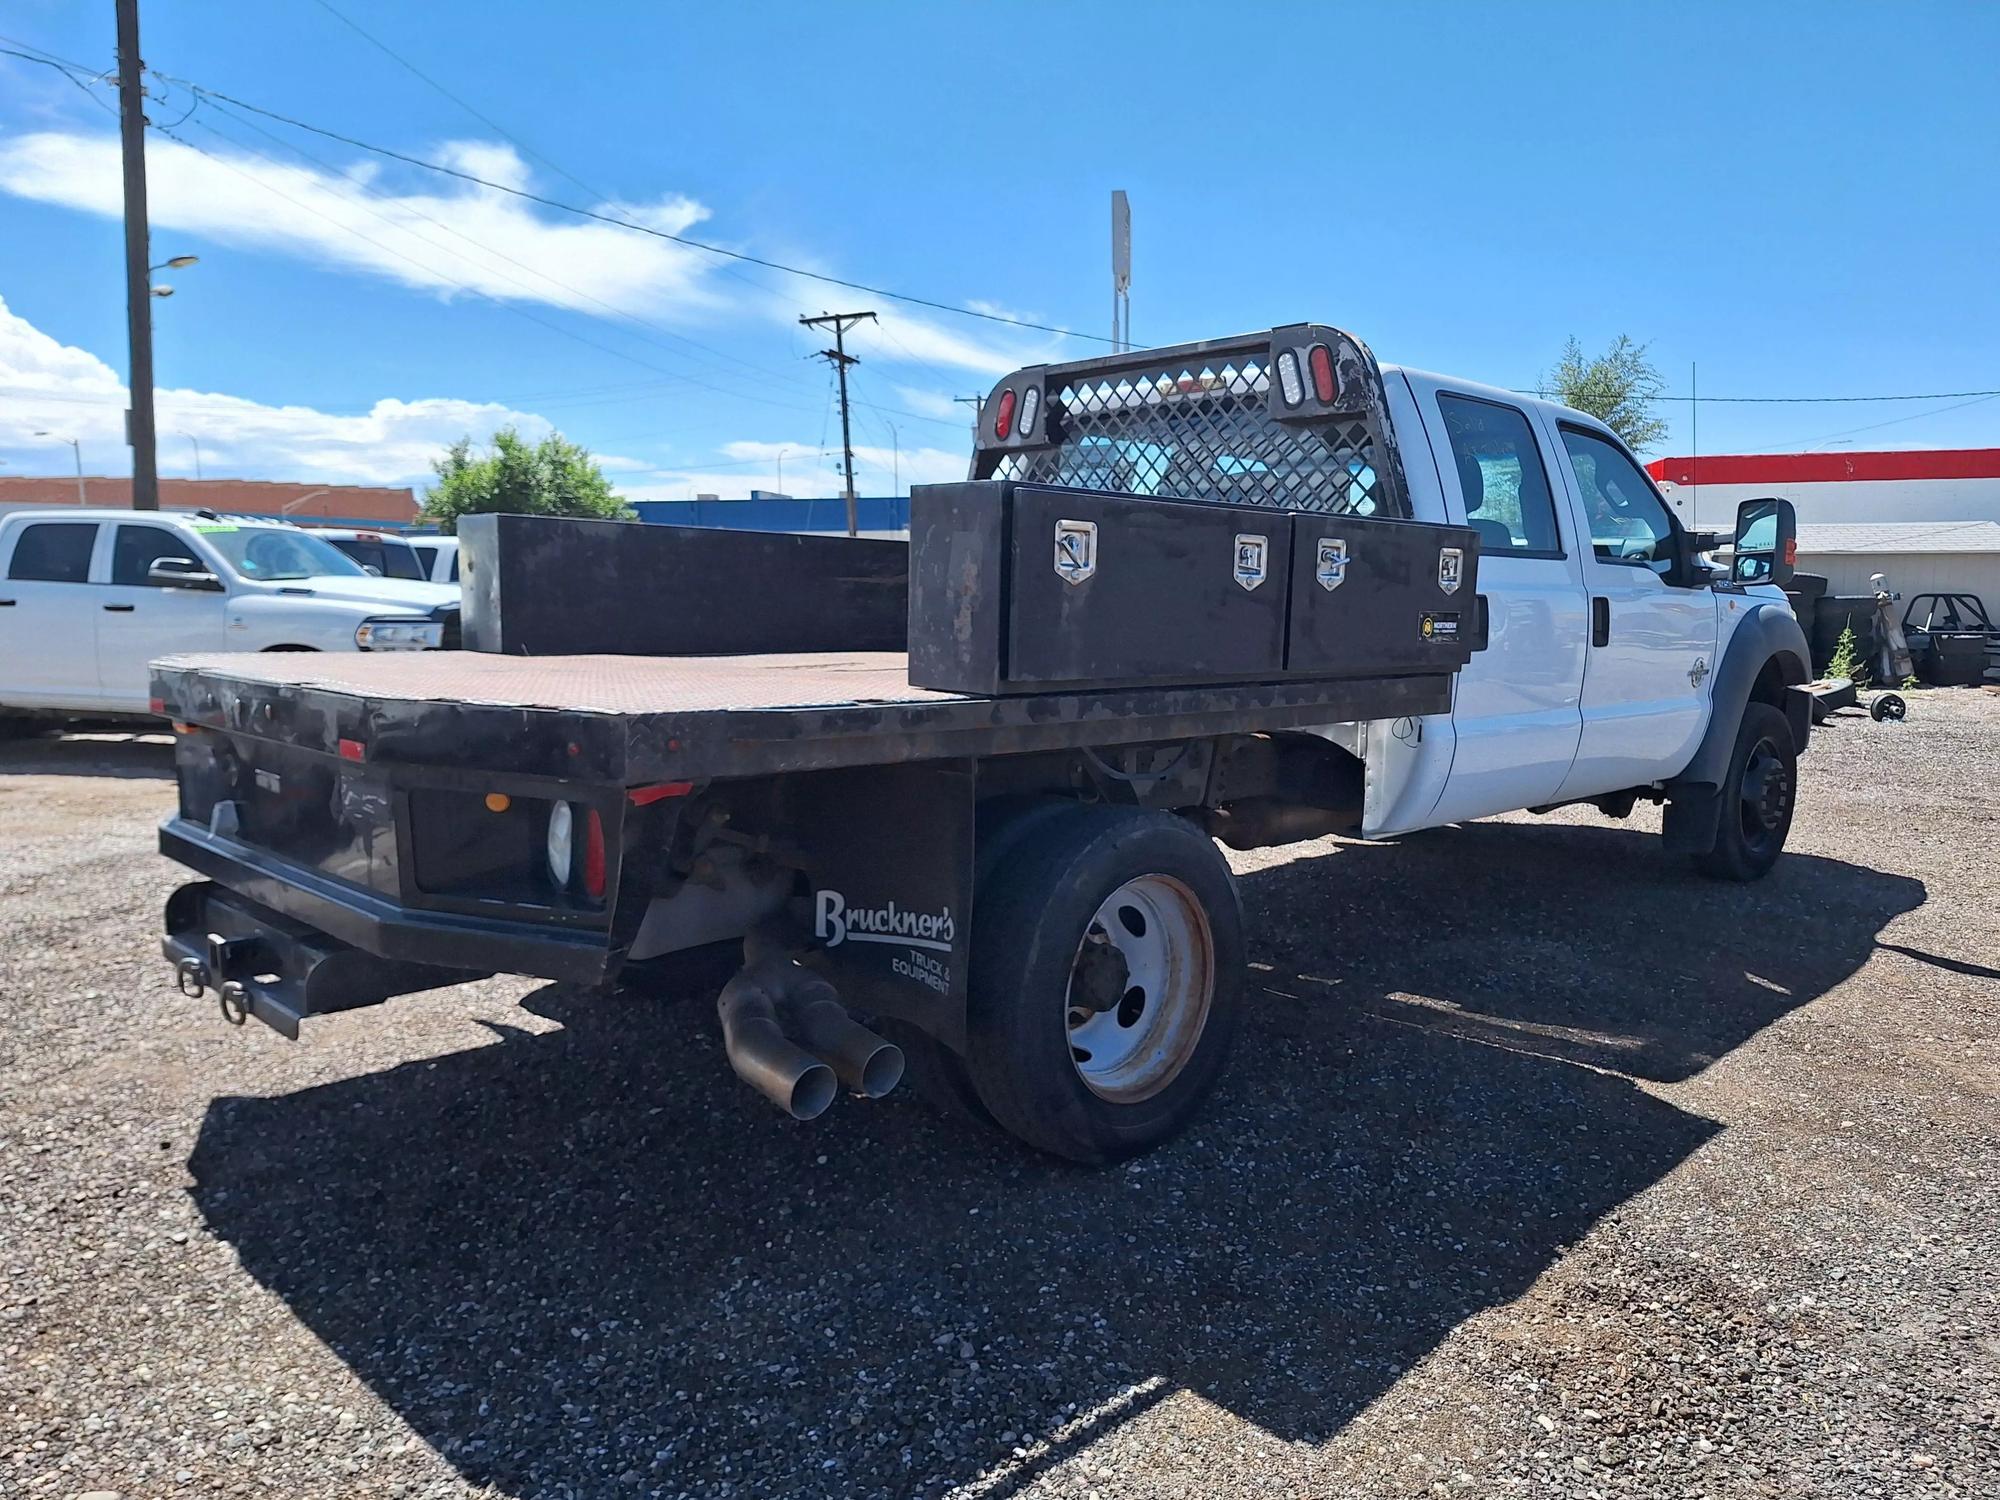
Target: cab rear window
[54, 552]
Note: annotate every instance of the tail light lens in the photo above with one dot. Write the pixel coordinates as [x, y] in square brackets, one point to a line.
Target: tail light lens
[561, 842]
[1289, 385]
[1320, 358]
[1031, 408]
[1003, 416]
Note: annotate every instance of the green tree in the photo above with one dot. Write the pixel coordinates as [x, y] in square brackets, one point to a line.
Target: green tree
[555, 477]
[1619, 387]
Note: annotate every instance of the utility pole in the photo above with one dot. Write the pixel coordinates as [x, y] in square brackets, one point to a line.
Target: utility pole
[978, 405]
[138, 275]
[841, 359]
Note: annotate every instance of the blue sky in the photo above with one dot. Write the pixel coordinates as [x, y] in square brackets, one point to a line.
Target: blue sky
[1801, 198]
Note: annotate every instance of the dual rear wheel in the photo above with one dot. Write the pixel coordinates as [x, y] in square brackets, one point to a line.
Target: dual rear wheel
[1105, 983]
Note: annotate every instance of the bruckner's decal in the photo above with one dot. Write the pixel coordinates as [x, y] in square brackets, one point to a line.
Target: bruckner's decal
[835, 922]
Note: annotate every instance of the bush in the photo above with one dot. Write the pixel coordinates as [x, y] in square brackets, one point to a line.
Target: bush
[1846, 661]
[553, 478]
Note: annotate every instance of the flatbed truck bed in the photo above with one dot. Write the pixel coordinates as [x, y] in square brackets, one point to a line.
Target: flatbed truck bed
[630, 720]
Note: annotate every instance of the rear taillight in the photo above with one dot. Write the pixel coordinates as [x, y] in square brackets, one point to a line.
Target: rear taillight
[1320, 358]
[1031, 407]
[1289, 385]
[560, 843]
[1003, 416]
[594, 877]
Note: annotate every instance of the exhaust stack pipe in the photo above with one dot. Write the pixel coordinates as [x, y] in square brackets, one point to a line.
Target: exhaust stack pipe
[788, 1036]
[760, 1052]
[861, 1060]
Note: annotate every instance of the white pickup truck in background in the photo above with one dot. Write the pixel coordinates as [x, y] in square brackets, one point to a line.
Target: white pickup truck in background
[89, 597]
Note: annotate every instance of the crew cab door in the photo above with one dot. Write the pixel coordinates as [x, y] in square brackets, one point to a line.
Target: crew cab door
[48, 617]
[1652, 640]
[1515, 714]
[139, 619]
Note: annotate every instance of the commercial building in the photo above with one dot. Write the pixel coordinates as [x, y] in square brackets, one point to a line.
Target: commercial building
[1914, 557]
[324, 504]
[1918, 484]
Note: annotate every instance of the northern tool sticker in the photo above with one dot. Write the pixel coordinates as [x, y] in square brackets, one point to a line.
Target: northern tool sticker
[1252, 558]
[1437, 627]
[1330, 566]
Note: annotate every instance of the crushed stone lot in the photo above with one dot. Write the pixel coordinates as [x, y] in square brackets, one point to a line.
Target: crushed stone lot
[1543, 1168]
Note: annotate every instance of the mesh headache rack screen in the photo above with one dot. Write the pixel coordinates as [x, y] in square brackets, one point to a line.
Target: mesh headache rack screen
[1200, 422]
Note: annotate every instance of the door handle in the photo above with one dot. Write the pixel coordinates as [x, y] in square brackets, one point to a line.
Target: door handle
[6, 603]
[1600, 620]
[119, 609]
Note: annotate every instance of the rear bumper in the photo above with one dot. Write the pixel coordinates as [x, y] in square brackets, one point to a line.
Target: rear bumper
[331, 912]
[280, 971]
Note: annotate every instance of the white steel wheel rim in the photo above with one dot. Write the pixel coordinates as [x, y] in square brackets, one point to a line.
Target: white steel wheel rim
[1138, 1046]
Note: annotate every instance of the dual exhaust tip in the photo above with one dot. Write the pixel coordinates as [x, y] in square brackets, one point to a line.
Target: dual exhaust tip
[789, 1037]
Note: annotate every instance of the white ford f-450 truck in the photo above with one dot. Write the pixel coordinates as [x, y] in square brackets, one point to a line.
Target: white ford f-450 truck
[1252, 590]
[89, 597]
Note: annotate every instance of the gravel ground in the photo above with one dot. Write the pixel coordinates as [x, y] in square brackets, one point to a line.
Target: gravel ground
[1543, 1169]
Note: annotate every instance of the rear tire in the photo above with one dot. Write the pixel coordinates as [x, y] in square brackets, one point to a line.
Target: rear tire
[1106, 982]
[1758, 796]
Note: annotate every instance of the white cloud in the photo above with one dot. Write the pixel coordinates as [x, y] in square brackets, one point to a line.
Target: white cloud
[46, 385]
[480, 239]
[464, 237]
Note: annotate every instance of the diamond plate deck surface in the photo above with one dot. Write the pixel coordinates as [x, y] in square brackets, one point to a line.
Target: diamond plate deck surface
[588, 684]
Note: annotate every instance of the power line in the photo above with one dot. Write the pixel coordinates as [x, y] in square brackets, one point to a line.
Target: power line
[1829, 400]
[75, 73]
[637, 228]
[484, 119]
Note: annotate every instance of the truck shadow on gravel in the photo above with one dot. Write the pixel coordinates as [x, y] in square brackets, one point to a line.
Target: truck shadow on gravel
[590, 1262]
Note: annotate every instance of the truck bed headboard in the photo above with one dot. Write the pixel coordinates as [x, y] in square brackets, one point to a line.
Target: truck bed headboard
[1294, 418]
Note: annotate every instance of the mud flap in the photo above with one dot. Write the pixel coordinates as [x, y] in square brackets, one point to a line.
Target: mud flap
[888, 852]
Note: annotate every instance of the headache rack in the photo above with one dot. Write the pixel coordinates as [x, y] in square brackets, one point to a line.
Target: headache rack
[1293, 419]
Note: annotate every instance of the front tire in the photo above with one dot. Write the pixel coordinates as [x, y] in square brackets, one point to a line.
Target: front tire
[1106, 982]
[1758, 796]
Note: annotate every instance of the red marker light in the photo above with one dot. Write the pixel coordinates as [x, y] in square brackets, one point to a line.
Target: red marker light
[1003, 419]
[353, 750]
[645, 796]
[1320, 358]
[593, 856]
[157, 706]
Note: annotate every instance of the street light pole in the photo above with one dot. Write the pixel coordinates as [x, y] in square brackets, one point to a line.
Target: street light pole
[197, 452]
[76, 447]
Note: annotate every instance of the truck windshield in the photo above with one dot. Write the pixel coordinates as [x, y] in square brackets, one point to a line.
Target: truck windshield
[271, 553]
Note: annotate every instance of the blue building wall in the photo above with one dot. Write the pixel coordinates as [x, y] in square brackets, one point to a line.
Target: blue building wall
[874, 513]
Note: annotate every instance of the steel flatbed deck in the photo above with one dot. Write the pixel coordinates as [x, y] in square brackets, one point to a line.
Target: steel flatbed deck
[630, 719]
